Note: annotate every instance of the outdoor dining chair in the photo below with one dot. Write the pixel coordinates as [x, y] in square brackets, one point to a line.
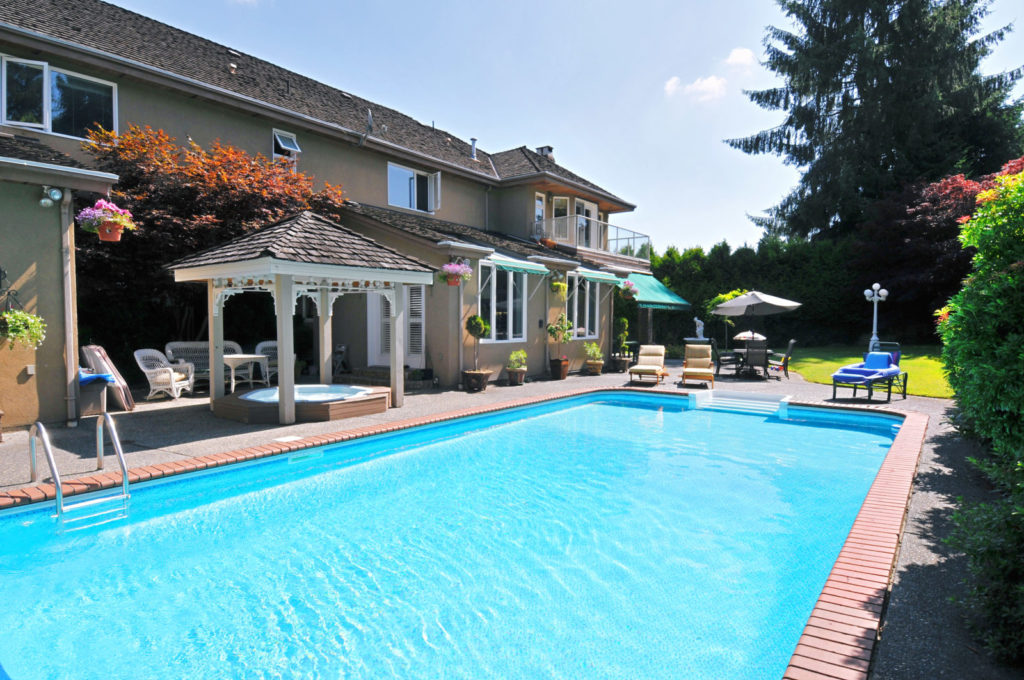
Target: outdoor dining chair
[757, 357]
[728, 359]
[783, 363]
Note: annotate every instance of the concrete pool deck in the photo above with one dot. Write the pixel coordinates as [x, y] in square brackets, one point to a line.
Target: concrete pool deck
[923, 634]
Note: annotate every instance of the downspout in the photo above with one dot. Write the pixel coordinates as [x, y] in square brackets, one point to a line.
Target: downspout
[70, 334]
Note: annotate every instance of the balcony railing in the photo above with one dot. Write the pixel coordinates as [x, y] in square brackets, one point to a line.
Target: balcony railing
[587, 232]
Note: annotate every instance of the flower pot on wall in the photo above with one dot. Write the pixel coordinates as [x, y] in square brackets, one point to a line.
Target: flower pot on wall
[475, 381]
[559, 369]
[110, 231]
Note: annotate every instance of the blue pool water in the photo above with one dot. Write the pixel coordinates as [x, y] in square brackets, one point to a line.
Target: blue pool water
[600, 537]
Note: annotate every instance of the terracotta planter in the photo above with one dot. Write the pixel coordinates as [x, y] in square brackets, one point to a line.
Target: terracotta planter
[475, 381]
[593, 367]
[454, 279]
[110, 231]
[548, 243]
[516, 376]
[559, 369]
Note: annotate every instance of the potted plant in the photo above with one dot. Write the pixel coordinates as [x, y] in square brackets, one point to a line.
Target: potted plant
[455, 273]
[17, 325]
[476, 380]
[629, 289]
[595, 358]
[559, 288]
[560, 332]
[106, 219]
[515, 367]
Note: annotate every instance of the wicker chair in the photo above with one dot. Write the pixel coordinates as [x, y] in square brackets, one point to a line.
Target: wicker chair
[164, 376]
[197, 353]
[268, 348]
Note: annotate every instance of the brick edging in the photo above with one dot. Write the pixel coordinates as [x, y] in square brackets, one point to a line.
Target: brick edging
[839, 638]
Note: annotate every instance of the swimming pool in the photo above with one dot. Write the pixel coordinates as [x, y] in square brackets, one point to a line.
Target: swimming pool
[604, 536]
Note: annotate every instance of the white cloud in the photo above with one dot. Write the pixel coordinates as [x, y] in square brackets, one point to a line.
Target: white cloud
[671, 85]
[706, 89]
[741, 57]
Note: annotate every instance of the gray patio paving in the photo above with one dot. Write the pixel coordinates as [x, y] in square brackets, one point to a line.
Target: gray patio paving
[924, 634]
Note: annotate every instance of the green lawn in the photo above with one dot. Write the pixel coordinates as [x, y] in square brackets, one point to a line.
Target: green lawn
[921, 362]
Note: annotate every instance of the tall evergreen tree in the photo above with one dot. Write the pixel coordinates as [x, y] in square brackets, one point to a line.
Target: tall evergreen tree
[879, 94]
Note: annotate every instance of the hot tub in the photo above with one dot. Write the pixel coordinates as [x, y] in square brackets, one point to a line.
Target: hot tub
[308, 393]
[312, 403]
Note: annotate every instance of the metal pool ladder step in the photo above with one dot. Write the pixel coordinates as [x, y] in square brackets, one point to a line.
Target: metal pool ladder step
[743, 402]
[95, 508]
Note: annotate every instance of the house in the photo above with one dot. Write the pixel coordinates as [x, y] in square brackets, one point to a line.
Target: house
[516, 216]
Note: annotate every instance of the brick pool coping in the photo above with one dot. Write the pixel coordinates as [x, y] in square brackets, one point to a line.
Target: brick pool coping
[839, 639]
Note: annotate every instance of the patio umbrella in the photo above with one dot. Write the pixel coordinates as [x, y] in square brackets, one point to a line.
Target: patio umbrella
[755, 303]
[748, 336]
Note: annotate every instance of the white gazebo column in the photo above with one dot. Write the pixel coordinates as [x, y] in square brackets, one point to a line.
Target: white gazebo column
[398, 346]
[284, 307]
[215, 313]
[326, 342]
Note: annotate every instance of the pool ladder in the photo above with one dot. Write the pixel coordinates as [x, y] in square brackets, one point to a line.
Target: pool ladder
[98, 507]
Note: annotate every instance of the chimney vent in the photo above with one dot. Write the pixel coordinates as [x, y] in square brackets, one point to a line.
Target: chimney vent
[547, 151]
[472, 148]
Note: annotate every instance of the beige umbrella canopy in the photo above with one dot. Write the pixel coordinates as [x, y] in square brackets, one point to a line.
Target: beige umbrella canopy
[755, 303]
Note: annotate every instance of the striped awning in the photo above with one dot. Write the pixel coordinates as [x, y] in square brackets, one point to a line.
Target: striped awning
[514, 264]
[600, 277]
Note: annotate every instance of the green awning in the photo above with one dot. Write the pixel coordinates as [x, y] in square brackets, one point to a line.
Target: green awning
[653, 294]
[600, 277]
[514, 264]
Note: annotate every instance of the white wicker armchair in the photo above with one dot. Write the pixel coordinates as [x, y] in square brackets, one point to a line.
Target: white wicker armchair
[197, 353]
[164, 376]
[269, 349]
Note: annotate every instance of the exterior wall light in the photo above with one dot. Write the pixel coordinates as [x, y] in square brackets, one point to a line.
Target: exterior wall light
[50, 196]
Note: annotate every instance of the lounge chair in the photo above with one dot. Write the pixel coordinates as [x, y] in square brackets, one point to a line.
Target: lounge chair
[163, 376]
[95, 357]
[698, 364]
[783, 363]
[650, 363]
[876, 369]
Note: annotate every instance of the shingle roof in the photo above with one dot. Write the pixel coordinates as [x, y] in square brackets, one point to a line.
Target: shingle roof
[439, 230]
[30, 149]
[522, 161]
[306, 237]
[89, 23]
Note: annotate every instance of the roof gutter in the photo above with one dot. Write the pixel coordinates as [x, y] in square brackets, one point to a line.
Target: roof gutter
[20, 170]
[554, 262]
[193, 84]
[462, 249]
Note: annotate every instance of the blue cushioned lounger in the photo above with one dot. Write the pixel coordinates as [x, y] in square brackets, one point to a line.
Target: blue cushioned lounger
[876, 368]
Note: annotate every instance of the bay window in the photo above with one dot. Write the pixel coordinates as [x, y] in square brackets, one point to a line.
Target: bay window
[503, 303]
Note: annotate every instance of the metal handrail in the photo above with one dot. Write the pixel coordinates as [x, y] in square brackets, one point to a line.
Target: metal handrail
[116, 441]
[608, 237]
[38, 430]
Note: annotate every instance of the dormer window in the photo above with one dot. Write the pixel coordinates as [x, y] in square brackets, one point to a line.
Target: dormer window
[286, 146]
[413, 189]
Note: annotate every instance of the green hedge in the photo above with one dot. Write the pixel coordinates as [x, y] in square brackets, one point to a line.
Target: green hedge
[982, 331]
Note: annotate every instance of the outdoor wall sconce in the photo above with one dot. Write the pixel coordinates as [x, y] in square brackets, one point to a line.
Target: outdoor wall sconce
[50, 196]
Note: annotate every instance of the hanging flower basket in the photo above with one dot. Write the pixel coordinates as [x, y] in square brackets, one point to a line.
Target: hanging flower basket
[455, 273]
[629, 289]
[105, 219]
[17, 326]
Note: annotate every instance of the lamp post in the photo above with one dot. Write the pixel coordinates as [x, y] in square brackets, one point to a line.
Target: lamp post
[875, 294]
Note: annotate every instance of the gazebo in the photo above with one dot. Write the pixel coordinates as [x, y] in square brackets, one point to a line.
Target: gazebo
[302, 255]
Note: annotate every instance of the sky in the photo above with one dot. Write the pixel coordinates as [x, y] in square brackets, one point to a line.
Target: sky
[637, 97]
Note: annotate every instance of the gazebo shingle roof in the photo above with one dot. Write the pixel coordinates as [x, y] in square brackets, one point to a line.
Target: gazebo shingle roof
[310, 238]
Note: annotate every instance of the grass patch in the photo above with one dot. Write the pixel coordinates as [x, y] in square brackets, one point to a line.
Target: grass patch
[922, 363]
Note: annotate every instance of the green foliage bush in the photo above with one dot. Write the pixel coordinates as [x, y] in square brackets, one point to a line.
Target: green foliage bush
[983, 352]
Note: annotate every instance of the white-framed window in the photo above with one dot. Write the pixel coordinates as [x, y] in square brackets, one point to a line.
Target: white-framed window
[413, 189]
[286, 147]
[586, 227]
[538, 207]
[503, 303]
[581, 305]
[35, 95]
